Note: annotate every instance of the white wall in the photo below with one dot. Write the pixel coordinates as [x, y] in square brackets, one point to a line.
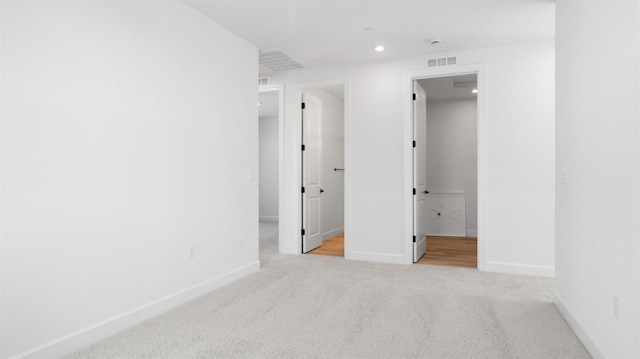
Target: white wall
[269, 178]
[452, 128]
[598, 208]
[127, 136]
[332, 157]
[520, 155]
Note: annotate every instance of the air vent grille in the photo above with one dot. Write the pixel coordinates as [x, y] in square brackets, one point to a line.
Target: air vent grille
[277, 60]
[442, 61]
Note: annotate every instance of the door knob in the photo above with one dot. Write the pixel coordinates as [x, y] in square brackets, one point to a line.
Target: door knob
[426, 192]
[321, 190]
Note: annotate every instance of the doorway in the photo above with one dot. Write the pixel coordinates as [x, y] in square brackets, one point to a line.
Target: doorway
[323, 169]
[448, 157]
[270, 118]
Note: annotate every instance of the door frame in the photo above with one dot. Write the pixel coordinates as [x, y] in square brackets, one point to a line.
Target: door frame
[291, 198]
[482, 152]
[281, 188]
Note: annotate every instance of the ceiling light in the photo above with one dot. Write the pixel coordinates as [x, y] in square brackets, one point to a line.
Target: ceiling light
[436, 41]
[379, 48]
[367, 29]
[474, 91]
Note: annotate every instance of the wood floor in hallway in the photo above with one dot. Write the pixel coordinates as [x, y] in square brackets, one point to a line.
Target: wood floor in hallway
[331, 247]
[450, 251]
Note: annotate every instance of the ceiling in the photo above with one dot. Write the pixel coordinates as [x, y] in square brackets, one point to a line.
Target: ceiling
[335, 91]
[318, 33]
[442, 88]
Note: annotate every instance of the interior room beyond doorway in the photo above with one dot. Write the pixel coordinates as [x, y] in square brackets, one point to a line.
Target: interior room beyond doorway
[451, 167]
[269, 116]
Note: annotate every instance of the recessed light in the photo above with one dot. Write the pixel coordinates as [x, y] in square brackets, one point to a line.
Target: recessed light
[474, 91]
[436, 41]
[379, 48]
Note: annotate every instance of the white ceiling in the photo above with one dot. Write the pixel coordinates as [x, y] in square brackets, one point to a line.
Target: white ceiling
[335, 91]
[441, 88]
[321, 33]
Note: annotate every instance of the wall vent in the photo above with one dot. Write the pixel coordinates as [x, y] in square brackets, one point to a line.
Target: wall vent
[277, 60]
[442, 61]
[263, 81]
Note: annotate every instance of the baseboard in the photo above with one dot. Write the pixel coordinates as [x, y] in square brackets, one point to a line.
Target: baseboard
[472, 233]
[375, 257]
[269, 218]
[524, 269]
[94, 333]
[332, 233]
[577, 328]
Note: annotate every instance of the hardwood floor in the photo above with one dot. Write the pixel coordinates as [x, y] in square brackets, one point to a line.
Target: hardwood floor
[451, 251]
[331, 247]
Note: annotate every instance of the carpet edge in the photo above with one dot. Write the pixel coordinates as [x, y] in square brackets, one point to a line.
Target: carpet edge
[582, 335]
[89, 335]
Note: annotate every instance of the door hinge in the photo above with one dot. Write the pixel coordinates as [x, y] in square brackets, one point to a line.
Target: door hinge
[303, 147]
[414, 239]
[414, 144]
[302, 190]
[302, 232]
[303, 106]
[414, 97]
[414, 191]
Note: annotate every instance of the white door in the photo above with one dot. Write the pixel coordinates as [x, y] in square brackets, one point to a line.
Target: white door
[311, 172]
[419, 172]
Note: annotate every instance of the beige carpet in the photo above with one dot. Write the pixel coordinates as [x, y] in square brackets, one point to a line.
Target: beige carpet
[327, 307]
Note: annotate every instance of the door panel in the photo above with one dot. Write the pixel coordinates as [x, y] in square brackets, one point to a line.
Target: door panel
[420, 172]
[312, 172]
[313, 212]
[447, 214]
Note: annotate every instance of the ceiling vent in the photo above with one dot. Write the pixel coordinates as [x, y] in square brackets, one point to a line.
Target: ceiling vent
[464, 83]
[277, 60]
[442, 61]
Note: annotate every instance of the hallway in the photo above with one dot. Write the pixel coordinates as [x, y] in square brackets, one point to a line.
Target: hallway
[448, 251]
